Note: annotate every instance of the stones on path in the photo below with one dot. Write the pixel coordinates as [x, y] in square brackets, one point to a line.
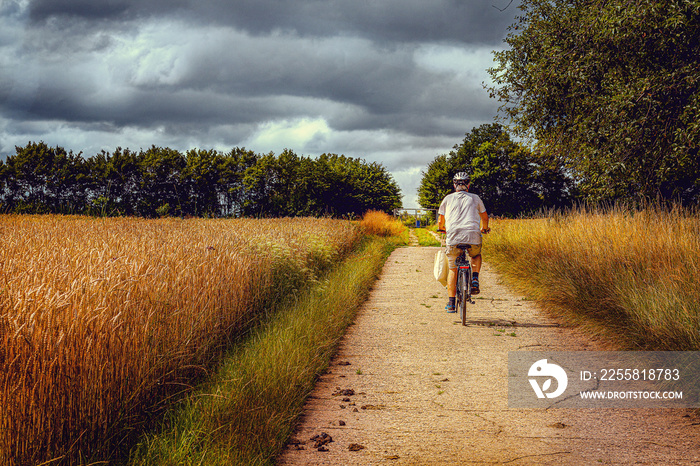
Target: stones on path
[321, 440]
[344, 392]
[372, 407]
[294, 444]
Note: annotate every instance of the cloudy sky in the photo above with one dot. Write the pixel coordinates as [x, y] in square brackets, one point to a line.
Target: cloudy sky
[393, 81]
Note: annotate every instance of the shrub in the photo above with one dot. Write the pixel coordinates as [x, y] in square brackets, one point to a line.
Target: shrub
[379, 223]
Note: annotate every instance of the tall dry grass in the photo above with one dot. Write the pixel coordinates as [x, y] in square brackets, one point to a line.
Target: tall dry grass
[375, 222]
[103, 320]
[630, 274]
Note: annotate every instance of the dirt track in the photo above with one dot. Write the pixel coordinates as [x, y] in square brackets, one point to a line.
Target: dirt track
[411, 385]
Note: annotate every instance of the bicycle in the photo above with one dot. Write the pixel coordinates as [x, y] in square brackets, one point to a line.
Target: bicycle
[464, 280]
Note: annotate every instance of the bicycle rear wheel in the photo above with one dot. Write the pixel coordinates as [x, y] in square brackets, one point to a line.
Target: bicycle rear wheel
[465, 292]
[458, 294]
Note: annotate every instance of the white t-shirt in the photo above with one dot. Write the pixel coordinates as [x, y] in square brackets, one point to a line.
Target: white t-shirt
[462, 221]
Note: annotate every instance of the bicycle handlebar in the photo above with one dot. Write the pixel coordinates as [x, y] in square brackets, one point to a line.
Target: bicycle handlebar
[483, 230]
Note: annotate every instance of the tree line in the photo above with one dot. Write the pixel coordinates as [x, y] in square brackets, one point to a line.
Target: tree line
[502, 172]
[162, 181]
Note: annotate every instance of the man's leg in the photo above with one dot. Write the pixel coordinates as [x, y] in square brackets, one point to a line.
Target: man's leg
[452, 254]
[452, 283]
[451, 290]
[476, 267]
[476, 264]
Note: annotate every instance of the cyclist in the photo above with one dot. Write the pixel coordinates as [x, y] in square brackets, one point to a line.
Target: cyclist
[463, 217]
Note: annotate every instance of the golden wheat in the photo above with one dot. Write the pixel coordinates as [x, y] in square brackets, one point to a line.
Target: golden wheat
[101, 320]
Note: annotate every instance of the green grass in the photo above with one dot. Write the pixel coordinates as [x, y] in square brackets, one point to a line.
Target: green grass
[631, 276]
[425, 238]
[247, 410]
[410, 221]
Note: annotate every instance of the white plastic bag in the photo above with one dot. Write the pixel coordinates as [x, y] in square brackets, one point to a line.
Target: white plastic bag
[441, 267]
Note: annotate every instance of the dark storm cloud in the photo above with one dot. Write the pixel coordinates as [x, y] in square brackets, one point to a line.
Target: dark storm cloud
[470, 21]
[43, 9]
[236, 77]
[106, 10]
[475, 21]
[153, 108]
[342, 71]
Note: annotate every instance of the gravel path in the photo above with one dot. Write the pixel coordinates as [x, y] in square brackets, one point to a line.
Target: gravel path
[412, 386]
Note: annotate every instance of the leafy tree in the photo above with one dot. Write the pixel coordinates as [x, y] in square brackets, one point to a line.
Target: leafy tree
[232, 169]
[261, 184]
[161, 173]
[115, 181]
[201, 182]
[44, 179]
[504, 173]
[436, 182]
[4, 191]
[611, 88]
[333, 184]
[352, 186]
[328, 186]
[292, 184]
[375, 189]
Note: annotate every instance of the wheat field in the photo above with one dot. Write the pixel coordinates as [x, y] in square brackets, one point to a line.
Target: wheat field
[103, 321]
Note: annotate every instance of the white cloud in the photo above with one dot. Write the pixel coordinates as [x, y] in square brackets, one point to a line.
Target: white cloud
[409, 180]
[287, 134]
[463, 62]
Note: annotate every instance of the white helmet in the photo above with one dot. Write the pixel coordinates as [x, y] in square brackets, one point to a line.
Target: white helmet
[461, 178]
